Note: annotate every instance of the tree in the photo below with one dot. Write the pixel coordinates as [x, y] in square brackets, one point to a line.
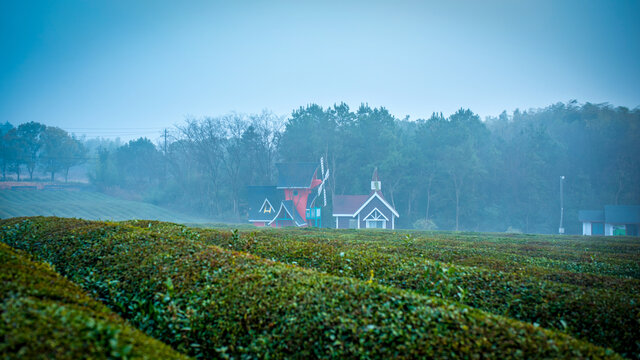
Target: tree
[464, 133]
[30, 133]
[5, 148]
[105, 174]
[205, 143]
[59, 151]
[234, 155]
[15, 151]
[138, 164]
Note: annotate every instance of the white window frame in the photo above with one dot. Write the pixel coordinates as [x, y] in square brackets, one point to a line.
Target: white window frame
[371, 222]
[374, 218]
[266, 201]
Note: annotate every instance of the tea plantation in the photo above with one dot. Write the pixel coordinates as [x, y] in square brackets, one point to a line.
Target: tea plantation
[82, 204]
[310, 293]
[45, 315]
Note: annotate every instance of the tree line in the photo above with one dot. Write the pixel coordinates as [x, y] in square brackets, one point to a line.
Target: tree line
[32, 146]
[456, 172]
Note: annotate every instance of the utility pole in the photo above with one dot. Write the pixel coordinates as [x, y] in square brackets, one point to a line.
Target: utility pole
[164, 176]
[165, 142]
[561, 228]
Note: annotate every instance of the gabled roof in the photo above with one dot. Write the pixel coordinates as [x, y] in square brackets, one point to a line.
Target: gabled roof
[288, 207]
[296, 175]
[372, 212]
[622, 214]
[347, 203]
[258, 195]
[378, 194]
[591, 216]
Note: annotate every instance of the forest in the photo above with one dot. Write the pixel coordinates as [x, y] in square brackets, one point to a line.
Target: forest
[456, 172]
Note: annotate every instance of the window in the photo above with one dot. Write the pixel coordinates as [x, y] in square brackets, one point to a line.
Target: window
[376, 220]
[353, 223]
[376, 224]
[313, 213]
[266, 207]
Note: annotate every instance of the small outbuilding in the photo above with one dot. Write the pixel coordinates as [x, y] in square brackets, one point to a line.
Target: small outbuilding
[613, 220]
[364, 211]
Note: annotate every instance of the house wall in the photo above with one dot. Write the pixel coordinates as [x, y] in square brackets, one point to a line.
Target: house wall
[299, 201]
[608, 230]
[282, 223]
[376, 203]
[586, 228]
[343, 221]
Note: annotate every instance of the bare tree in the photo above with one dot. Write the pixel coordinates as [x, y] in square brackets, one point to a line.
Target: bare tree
[205, 140]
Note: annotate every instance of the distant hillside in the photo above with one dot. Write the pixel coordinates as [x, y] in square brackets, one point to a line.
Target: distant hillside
[83, 204]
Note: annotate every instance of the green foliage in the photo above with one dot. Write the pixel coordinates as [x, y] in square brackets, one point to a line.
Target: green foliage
[559, 289]
[44, 315]
[60, 151]
[35, 145]
[211, 302]
[424, 224]
[138, 163]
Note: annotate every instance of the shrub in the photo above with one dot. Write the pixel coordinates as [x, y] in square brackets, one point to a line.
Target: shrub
[424, 224]
[209, 302]
[601, 316]
[46, 316]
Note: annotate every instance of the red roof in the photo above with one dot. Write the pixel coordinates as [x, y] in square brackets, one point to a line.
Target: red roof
[348, 204]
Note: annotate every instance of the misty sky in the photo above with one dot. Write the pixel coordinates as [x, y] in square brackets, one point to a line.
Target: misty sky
[131, 68]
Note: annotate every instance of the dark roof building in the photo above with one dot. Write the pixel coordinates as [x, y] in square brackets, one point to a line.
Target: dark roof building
[614, 220]
[622, 214]
[296, 175]
[264, 202]
[288, 203]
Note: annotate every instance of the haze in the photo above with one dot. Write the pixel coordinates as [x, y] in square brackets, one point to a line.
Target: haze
[129, 69]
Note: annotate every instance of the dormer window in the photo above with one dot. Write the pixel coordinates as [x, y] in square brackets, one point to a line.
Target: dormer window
[266, 207]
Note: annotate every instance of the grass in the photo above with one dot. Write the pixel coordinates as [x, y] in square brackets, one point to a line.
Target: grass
[83, 204]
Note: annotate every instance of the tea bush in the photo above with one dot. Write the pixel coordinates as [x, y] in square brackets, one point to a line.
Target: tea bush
[602, 316]
[46, 316]
[211, 302]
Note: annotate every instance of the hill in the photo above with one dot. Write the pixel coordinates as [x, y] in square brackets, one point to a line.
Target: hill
[83, 204]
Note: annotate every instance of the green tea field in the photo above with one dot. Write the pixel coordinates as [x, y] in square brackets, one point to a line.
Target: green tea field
[82, 204]
[318, 293]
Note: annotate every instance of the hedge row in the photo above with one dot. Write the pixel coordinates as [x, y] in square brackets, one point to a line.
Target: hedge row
[46, 316]
[603, 317]
[613, 257]
[209, 302]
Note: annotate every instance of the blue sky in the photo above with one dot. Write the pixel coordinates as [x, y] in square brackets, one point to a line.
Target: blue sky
[131, 68]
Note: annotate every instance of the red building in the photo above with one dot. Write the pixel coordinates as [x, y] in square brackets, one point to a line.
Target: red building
[294, 201]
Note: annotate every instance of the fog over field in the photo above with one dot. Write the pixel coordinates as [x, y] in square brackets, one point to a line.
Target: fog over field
[475, 115]
[331, 179]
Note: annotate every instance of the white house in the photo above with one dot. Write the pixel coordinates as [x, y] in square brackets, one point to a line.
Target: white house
[365, 211]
